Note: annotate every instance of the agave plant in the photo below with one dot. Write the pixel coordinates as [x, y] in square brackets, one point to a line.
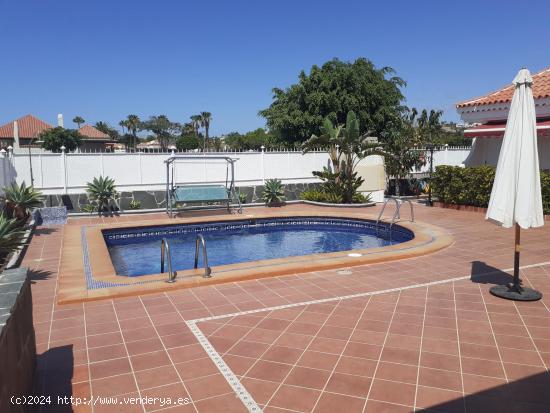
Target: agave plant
[101, 191]
[11, 234]
[273, 192]
[21, 199]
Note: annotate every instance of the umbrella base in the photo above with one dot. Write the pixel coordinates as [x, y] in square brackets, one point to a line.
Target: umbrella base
[511, 293]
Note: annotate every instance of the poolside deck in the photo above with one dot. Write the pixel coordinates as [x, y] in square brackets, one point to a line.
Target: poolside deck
[409, 335]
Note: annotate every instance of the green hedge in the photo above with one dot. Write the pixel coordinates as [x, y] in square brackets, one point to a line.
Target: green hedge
[472, 186]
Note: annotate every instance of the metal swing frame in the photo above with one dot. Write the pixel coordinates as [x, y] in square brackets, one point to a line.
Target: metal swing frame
[172, 193]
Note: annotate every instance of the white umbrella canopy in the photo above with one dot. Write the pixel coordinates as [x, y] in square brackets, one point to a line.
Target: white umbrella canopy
[516, 195]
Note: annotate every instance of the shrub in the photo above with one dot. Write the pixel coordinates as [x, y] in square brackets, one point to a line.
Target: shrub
[89, 208]
[472, 186]
[332, 198]
[21, 199]
[242, 197]
[273, 192]
[134, 204]
[101, 191]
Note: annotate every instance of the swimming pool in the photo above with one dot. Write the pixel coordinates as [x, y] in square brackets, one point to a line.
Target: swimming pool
[136, 251]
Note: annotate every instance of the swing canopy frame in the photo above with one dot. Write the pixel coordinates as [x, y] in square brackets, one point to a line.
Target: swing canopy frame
[200, 193]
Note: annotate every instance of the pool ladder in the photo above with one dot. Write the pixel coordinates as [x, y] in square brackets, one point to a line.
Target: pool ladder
[165, 253]
[397, 214]
[199, 241]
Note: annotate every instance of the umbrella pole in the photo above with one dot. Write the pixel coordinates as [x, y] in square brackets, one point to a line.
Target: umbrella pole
[515, 291]
[517, 249]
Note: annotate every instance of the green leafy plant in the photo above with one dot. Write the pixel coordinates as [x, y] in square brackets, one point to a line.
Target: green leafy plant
[134, 204]
[273, 192]
[242, 197]
[101, 191]
[11, 234]
[21, 199]
[88, 208]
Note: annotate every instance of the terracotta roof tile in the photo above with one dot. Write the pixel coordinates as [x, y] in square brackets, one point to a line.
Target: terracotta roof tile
[89, 132]
[28, 126]
[541, 89]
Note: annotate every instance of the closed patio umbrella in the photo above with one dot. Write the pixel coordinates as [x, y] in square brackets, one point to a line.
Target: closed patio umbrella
[516, 196]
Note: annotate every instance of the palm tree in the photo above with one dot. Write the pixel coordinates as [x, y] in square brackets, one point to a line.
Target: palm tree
[132, 123]
[79, 120]
[196, 122]
[206, 118]
[122, 124]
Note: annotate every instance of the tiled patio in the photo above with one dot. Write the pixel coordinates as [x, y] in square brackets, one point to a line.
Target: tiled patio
[431, 344]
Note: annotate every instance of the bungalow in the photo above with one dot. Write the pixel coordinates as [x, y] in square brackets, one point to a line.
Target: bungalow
[25, 132]
[487, 115]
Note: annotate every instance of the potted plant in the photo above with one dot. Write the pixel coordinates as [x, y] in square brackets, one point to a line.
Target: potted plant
[101, 191]
[273, 192]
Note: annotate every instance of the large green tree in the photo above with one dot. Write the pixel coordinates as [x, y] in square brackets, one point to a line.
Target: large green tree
[251, 140]
[164, 129]
[53, 139]
[331, 91]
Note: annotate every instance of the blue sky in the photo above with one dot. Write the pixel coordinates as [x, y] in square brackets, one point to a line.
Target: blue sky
[106, 59]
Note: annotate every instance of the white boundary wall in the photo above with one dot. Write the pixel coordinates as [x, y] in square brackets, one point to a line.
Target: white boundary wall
[61, 173]
[66, 173]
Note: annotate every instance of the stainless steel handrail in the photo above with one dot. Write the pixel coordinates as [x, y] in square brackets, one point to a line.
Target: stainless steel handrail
[165, 250]
[198, 241]
[397, 213]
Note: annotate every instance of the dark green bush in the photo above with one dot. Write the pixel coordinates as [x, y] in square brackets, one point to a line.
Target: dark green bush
[472, 186]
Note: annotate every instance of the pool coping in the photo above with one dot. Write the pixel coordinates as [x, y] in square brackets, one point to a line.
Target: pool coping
[85, 254]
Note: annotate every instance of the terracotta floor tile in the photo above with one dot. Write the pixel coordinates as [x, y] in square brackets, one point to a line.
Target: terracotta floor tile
[260, 390]
[330, 403]
[295, 398]
[112, 386]
[305, 377]
[393, 392]
[149, 360]
[158, 376]
[349, 385]
[397, 372]
[268, 370]
[442, 379]
[208, 386]
[282, 354]
[227, 403]
[196, 368]
[109, 368]
[440, 400]
[316, 360]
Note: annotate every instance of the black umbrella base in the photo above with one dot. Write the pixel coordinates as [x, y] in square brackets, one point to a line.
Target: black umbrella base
[510, 292]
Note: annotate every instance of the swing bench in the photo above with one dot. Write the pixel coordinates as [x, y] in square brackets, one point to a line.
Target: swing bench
[196, 193]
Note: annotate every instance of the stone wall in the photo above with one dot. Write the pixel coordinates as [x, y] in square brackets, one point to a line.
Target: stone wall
[156, 199]
[17, 341]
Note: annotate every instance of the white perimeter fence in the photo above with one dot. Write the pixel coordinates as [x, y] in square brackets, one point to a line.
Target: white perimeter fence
[66, 173]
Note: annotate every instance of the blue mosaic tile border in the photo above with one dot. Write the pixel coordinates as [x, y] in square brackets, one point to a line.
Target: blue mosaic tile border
[136, 233]
[91, 282]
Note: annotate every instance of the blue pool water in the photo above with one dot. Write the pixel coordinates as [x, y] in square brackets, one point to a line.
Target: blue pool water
[136, 251]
